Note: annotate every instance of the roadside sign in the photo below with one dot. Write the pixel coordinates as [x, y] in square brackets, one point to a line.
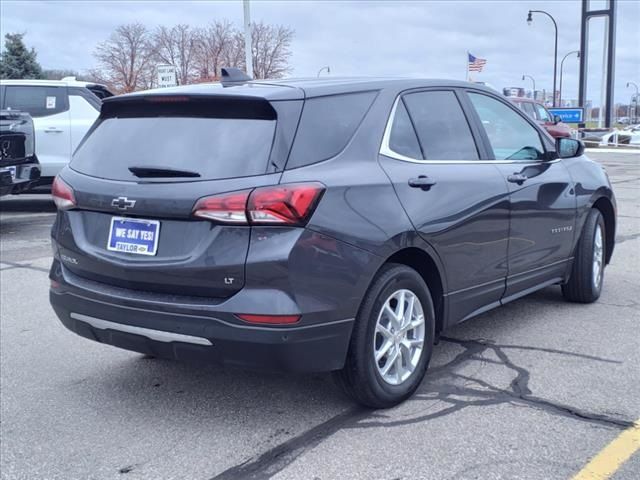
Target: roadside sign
[569, 115]
[166, 76]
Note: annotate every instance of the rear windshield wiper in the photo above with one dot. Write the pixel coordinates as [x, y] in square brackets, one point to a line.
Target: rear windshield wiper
[161, 172]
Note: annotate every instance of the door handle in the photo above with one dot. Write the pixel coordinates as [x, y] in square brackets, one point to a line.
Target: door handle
[52, 130]
[518, 178]
[423, 182]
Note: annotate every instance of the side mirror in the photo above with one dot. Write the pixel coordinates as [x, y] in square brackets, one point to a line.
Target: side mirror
[556, 119]
[569, 147]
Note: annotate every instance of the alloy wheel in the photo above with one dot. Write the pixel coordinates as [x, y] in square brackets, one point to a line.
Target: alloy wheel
[399, 337]
[598, 257]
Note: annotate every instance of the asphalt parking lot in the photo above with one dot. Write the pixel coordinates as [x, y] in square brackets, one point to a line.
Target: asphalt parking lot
[532, 390]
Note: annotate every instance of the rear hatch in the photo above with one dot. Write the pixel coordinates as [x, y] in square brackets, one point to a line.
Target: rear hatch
[138, 174]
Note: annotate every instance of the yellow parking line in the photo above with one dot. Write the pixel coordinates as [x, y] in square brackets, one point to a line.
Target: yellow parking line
[609, 460]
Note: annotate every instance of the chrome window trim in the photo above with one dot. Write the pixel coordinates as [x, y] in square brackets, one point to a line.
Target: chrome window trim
[386, 150]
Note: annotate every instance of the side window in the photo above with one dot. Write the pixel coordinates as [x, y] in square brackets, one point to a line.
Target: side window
[543, 114]
[441, 126]
[326, 126]
[510, 135]
[83, 96]
[36, 100]
[403, 139]
[528, 109]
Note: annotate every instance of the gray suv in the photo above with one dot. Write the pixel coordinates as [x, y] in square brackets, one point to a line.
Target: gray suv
[319, 225]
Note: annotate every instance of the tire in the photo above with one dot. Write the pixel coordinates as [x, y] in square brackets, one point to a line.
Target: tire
[362, 377]
[585, 282]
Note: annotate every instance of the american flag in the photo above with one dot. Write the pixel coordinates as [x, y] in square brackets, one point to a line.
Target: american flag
[476, 64]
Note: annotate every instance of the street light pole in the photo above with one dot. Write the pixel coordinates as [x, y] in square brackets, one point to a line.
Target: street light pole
[635, 110]
[561, 67]
[534, 84]
[555, 54]
[327, 68]
[248, 53]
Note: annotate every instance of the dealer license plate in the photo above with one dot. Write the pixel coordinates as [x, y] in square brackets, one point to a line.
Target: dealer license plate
[133, 235]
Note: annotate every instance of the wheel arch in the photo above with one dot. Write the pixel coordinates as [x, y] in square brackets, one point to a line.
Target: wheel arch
[428, 268]
[605, 207]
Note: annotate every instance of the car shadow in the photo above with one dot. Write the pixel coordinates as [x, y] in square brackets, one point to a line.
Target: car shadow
[40, 203]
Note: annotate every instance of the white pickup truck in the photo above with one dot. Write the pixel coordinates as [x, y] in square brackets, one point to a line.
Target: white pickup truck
[62, 112]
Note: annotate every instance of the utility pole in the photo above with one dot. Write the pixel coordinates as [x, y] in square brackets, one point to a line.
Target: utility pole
[248, 54]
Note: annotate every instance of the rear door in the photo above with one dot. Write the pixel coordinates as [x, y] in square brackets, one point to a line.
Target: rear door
[137, 177]
[542, 195]
[457, 201]
[84, 108]
[49, 108]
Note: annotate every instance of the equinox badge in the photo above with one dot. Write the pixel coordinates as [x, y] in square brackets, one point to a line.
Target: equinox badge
[122, 203]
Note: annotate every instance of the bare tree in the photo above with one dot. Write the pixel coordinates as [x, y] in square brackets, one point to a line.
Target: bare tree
[125, 60]
[178, 46]
[233, 55]
[270, 45]
[215, 41]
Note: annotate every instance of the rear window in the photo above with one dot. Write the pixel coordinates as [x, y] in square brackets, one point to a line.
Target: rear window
[214, 148]
[326, 126]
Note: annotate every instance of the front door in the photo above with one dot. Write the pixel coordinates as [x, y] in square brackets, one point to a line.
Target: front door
[49, 108]
[456, 201]
[543, 202]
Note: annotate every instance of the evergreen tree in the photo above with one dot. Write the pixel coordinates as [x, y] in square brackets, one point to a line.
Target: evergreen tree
[16, 61]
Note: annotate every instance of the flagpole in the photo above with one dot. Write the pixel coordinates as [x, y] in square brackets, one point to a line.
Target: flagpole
[467, 66]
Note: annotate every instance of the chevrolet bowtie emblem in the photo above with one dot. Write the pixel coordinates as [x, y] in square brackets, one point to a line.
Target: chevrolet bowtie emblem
[122, 203]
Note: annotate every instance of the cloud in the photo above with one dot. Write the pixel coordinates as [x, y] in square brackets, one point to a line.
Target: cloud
[428, 38]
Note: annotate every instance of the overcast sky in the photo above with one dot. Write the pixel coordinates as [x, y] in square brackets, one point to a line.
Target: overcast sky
[422, 38]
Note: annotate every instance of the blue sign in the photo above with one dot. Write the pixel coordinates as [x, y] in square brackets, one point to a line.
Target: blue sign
[568, 115]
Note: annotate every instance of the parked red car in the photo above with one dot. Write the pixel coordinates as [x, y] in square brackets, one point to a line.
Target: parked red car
[540, 114]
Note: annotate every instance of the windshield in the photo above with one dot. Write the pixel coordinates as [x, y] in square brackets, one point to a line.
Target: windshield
[214, 148]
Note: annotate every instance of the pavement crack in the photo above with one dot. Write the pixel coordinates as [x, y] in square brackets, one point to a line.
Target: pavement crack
[626, 180]
[277, 458]
[439, 387]
[13, 265]
[624, 238]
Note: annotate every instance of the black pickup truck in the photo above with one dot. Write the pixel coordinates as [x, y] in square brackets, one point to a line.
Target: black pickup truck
[19, 167]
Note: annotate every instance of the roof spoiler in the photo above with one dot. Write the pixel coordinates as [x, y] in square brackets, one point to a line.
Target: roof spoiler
[233, 76]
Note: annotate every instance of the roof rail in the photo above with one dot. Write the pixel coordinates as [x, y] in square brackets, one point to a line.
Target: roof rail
[233, 76]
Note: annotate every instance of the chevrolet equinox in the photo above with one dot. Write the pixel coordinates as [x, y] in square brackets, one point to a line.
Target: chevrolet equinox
[319, 225]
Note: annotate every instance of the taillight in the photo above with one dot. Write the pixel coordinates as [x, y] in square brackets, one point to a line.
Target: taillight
[270, 319]
[62, 194]
[226, 207]
[289, 204]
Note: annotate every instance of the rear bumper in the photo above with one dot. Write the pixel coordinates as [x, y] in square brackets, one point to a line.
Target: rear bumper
[204, 337]
[23, 176]
[287, 271]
